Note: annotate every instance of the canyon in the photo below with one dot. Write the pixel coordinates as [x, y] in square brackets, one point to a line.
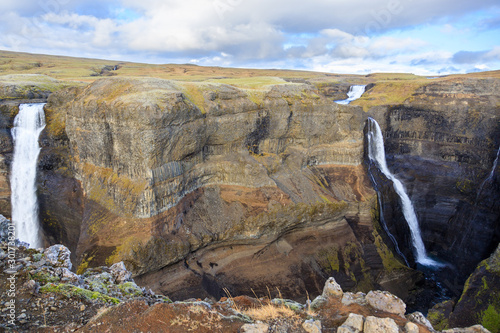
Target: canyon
[204, 185]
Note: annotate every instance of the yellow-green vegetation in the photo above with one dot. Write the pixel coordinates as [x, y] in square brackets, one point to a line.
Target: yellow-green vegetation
[464, 185]
[389, 261]
[130, 289]
[71, 291]
[84, 264]
[257, 95]
[437, 319]
[481, 295]
[329, 259]
[389, 93]
[257, 82]
[120, 251]
[56, 122]
[88, 70]
[194, 92]
[22, 85]
[43, 277]
[157, 252]
[490, 319]
[101, 180]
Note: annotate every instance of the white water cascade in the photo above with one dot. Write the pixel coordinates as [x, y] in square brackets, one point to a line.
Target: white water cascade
[354, 93]
[490, 175]
[28, 124]
[376, 154]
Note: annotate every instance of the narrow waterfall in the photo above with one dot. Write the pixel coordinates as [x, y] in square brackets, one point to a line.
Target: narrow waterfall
[28, 125]
[490, 175]
[354, 93]
[376, 154]
[384, 224]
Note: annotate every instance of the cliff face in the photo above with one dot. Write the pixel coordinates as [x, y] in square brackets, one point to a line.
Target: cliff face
[57, 188]
[442, 143]
[204, 186]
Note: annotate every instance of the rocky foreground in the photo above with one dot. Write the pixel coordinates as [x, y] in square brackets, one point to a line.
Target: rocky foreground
[40, 293]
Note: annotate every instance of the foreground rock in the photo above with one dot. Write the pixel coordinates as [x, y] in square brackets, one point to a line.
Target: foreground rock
[105, 299]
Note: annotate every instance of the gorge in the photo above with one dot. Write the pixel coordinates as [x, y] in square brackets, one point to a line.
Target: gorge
[204, 185]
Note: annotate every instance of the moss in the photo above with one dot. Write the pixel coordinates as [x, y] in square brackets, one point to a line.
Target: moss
[329, 260]
[130, 289]
[491, 319]
[464, 185]
[390, 262]
[116, 193]
[44, 277]
[71, 291]
[194, 93]
[56, 122]
[98, 286]
[437, 319]
[84, 265]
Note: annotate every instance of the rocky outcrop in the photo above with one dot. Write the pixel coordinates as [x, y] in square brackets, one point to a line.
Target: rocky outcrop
[103, 299]
[441, 143]
[480, 300]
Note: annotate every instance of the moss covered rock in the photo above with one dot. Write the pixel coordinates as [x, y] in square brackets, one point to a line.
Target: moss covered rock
[480, 300]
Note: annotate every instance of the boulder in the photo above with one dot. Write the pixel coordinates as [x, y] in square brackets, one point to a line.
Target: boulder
[58, 256]
[387, 302]
[418, 318]
[120, 272]
[351, 298]
[318, 302]
[411, 328]
[312, 326]
[332, 289]
[66, 275]
[254, 328]
[353, 324]
[380, 325]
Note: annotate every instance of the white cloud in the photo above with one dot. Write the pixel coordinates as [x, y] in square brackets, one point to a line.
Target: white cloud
[315, 34]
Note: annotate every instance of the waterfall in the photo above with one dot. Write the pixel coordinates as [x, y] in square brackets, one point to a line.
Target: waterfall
[384, 224]
[376, 154]
[354, 93]
[28, 124]
[490, 175]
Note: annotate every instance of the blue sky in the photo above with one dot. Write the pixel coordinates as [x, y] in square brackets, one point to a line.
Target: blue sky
[426, 37]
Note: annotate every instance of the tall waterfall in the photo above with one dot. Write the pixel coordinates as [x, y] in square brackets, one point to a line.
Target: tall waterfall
[28, 124]
[376, 154]
[354, 93]
[490, 175]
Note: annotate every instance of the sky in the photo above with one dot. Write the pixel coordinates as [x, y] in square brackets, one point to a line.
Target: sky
[425, 37]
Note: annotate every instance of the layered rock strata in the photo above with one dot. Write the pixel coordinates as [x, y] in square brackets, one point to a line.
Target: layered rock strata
[442, 143]
[203, 186]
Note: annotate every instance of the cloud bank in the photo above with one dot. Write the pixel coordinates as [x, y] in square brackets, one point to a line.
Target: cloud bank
[424, 37]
